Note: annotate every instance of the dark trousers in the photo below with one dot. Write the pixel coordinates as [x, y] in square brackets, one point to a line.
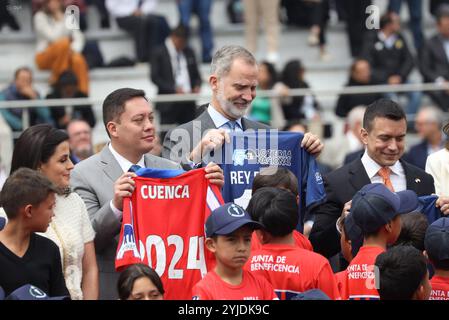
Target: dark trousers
[148, 32]
[355, 17]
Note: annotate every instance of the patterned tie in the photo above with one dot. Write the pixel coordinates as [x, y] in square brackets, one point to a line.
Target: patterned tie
[385, 172]
[231, 124]
[134, 168]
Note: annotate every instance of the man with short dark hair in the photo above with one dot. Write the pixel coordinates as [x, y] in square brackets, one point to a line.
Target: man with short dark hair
[383, 134]
[105, 179]
[80, 140]
[174, 71]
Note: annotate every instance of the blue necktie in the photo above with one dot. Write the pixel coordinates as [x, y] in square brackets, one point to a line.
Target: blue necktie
[231, 124]
[134, 168]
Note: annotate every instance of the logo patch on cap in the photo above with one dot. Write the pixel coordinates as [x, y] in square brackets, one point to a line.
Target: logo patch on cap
[235, 211]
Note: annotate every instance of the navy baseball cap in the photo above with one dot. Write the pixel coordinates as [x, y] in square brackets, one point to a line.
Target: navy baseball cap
[436, 240]
[2, 223]
[375, 205]
[228, 218]
[312, 294]
[353, 233]
[30, 292]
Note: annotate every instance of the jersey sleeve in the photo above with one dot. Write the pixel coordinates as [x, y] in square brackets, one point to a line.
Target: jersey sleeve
[312, 185]
[200, 293]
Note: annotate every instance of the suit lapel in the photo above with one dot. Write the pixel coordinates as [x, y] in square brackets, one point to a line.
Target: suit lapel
[357, 174]
[440, 49]
[205, 122]
[109, 165]
[413, 181]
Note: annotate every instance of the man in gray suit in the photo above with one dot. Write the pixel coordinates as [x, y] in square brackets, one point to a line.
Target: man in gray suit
[103, 180]
[233, 81]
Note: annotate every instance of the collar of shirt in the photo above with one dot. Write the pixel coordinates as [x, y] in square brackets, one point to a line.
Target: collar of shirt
[372, 167]
[125, 164]
[388, 42]
[220, 120]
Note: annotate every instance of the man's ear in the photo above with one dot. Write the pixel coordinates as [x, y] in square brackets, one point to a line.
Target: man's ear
[364, 136]
[213, 82]
[211, 245]
[111, 126]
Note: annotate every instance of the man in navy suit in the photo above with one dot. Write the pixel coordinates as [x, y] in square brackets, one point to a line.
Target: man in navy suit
[383, 134]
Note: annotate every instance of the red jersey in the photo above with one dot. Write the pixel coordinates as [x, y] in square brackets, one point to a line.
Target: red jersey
[252, 287]
[360, 278]
[163, 226]
[340, 278]
[292, 270]
[440, 288]
[301, 241]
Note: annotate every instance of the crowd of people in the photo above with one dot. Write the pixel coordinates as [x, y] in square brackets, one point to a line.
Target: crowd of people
[380, 232]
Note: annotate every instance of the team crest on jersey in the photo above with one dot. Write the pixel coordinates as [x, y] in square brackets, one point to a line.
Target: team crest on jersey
[235, 211]
[318, 178]
[128, 242]
[240, 155]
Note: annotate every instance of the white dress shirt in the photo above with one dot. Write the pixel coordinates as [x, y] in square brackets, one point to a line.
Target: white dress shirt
[125, 164]
[397, 175]
[221, 121]
[179, 67]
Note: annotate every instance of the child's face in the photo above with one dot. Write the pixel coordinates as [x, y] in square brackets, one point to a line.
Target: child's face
[43, 213]
[144, 289]
[232, 250]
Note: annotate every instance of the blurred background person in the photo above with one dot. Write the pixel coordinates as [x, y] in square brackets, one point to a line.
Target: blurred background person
[267, 109]
[428, 125]
[269, 12]
[58, 47]
[23, 89]
[80, 140]
[67, 88]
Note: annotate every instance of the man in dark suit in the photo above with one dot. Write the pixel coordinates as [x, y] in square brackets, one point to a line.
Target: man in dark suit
[428, 124]
[174, 70]
[233, 81]
[383, 134]
[390, 59]
[434, 59]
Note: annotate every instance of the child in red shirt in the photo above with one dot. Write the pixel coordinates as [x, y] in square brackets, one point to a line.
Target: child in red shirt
[290, 269]
[436, 244]
[228, 232]
[376, 211]
[402, 274]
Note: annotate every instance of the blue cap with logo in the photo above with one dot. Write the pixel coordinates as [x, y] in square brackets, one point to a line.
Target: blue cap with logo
[227, 218]
[30, 292]
[375, 205]
[436, 240]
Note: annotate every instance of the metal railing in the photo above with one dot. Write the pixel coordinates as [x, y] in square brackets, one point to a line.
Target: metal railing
[320, 93]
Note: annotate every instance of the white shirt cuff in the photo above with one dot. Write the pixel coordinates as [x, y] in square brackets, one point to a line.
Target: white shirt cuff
[117, 212]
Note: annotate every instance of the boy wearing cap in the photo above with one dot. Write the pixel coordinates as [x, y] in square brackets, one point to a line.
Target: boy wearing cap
[376, 211]
[436, 243]
[228, 231]
[290, 269]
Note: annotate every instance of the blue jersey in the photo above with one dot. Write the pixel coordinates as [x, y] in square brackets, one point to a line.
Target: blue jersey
[429, 208]
[249, 151]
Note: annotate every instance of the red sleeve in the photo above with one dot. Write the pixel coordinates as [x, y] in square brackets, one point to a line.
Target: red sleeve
[268, 291]
[199, 293]
[327, 282]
